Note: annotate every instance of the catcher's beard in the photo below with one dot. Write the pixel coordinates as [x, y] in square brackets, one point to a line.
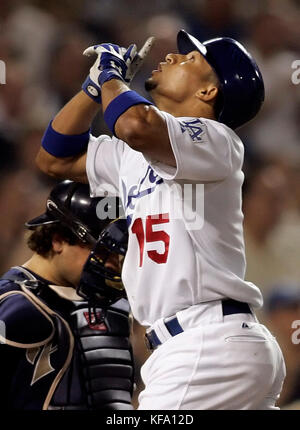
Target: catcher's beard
[150, 85]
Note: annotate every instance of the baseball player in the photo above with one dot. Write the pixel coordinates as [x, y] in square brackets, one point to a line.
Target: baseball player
[61, 348]
[176, 165]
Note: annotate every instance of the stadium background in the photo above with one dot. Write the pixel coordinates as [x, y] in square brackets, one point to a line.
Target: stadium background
[41, 44]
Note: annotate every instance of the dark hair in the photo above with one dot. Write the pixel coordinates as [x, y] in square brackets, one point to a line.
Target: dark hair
[40, 240]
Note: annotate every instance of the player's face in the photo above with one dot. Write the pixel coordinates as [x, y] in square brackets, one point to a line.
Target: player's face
[73, 258]
[179, 77]
[71, 262]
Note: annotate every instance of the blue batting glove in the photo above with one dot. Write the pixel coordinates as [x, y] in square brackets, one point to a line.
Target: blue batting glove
[133, 61]
[113, 62]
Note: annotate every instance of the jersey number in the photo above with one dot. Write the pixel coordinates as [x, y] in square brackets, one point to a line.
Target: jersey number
[152, 236]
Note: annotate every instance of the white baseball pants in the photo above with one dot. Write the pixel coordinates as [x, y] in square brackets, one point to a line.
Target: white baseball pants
[219, 364]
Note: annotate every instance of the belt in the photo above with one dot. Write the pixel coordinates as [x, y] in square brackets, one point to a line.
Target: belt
[229, 307]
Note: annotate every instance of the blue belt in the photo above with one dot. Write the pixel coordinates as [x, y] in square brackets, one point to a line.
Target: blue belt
[229, 307]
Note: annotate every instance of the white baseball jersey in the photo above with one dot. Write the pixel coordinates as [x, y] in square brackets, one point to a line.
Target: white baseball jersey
[186, 241]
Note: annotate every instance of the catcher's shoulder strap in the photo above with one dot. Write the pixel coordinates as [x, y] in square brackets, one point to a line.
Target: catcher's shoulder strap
[23, 323]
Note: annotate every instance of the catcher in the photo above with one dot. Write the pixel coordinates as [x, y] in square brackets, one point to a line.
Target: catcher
[64, 338]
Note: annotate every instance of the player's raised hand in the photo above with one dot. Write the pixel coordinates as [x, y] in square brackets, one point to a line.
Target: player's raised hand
[139, 58]
[109, 63]
[113, 62]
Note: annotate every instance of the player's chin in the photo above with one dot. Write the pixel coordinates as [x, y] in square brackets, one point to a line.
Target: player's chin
[150, 84]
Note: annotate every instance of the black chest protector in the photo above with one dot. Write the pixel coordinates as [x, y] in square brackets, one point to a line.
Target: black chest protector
[94, 342]
[100, 375]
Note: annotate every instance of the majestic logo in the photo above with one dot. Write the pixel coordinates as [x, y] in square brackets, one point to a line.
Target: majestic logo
[40, 359]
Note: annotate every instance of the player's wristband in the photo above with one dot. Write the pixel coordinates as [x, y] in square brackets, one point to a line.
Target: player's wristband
[119, 105]
[92, 90]
[62, 145]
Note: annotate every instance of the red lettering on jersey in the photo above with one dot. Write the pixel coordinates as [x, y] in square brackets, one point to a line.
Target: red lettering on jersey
[137, 228]
[156, 236]
[152, 236]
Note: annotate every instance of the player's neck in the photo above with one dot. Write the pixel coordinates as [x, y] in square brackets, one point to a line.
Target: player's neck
[44, 268]
[190, 107]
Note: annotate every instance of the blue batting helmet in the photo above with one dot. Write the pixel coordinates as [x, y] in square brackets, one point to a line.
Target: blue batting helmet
[241, 82]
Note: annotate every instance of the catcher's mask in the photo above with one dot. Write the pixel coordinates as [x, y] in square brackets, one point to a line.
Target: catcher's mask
[101, 276]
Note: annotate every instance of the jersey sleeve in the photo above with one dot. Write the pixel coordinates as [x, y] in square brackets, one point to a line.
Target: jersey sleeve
[103, 164]
[202, 149]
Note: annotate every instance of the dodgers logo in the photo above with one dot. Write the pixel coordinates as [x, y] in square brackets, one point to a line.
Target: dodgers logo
[194, 129]
[146, 186]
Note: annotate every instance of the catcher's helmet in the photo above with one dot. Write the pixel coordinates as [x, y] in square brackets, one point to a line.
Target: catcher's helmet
[242, 85]
[94, 221]
[70, 204]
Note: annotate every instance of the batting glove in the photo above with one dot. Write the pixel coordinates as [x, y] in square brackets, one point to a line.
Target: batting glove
[113, 62]
[124, 65]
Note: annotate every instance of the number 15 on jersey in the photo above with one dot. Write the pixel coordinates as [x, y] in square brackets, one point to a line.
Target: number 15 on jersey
[143, 229]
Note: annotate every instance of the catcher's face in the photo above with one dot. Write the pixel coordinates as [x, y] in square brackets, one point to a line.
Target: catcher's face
[180, 77]
[72, 258]
[68, 262]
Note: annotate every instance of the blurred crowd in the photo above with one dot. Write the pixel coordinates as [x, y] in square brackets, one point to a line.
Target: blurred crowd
[42, 43]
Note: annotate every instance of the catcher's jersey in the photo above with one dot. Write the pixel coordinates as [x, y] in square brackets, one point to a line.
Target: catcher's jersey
[186, 241]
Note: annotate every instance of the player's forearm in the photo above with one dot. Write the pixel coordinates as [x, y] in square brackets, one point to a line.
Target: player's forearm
[76, 116]
[133, 121]
[141, 125]
[110, 90]
[62, 154]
